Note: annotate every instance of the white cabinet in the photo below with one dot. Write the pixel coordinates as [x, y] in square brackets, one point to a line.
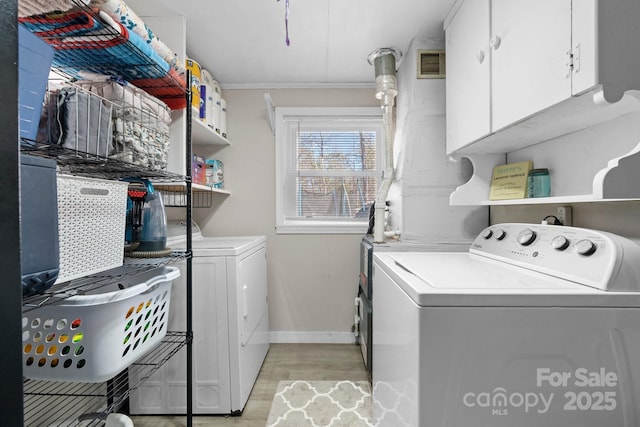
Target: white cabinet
[530, 69]
[501, 65]
[468, 74]
[563, 86]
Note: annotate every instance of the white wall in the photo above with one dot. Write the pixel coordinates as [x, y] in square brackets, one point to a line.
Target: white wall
[424, 176]
[616, 217]
[590, 150]
[313, 279]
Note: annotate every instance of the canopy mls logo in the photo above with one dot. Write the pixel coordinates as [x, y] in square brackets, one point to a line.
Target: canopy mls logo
[584, 390]
[499, 400]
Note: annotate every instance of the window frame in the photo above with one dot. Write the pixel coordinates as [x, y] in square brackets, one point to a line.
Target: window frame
[283, 115]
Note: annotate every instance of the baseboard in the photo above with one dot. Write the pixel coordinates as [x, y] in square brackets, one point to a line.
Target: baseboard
[312, 337]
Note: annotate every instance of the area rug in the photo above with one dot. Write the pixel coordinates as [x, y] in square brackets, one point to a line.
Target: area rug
[321, 404]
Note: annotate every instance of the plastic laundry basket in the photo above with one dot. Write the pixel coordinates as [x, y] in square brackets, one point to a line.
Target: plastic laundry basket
[92, 337]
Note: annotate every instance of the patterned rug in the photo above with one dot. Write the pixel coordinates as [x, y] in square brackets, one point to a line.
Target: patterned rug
[321, 404]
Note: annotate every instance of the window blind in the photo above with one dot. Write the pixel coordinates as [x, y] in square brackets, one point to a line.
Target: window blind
[332, 167]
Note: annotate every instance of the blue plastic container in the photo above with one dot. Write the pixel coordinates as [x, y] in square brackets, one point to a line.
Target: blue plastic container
[40, 257]
[34, 64]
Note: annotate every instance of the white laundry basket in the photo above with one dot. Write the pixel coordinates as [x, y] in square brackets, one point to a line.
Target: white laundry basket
[92, 337]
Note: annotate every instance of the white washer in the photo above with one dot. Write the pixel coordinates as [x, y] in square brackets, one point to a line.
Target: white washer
[535, 325]
[230, 327]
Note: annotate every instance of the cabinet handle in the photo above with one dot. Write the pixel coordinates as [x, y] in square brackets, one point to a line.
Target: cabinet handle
[480, 56]
[495, 42]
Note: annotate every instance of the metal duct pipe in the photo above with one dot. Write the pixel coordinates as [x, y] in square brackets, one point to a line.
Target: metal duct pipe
[384, 61]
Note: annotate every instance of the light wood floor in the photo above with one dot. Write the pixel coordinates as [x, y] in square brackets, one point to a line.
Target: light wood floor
[314, 362]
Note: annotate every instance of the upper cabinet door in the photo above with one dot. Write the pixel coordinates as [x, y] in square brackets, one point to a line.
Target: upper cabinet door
[530, 45]
[585, 45]
[468, 74]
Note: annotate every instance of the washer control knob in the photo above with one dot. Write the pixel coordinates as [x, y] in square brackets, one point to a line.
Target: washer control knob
[586, 247]
[500, 234]
[526, 237]
[560, 243]
[486, 233]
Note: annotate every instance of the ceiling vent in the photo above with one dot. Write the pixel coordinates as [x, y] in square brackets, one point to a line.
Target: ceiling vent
[431, 64]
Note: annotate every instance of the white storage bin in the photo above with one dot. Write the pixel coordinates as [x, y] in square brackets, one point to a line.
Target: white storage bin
[91, 224]
[94, 336]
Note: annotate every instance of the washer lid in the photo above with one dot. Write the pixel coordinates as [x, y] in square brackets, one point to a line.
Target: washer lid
[464, 279]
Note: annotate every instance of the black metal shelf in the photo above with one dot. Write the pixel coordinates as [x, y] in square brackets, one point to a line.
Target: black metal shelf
[131, 266]
[89, 165]
[89, 43]
[88, 404]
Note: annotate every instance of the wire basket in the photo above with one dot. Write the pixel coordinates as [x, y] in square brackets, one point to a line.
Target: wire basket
[140, 123]
[107, 118]
[93, 337]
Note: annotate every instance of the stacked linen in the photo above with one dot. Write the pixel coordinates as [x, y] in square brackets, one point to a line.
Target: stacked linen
[122, 13]
[90, 40]
[79, 121]
[140, 123]
[85, 43]
[39, 7]
[160, 87]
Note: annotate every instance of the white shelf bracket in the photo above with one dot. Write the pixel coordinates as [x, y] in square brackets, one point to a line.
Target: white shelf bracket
[476, 190]
[618, 180]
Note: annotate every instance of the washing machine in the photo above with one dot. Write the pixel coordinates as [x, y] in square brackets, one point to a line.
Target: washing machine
[534, 325]
[230, 327]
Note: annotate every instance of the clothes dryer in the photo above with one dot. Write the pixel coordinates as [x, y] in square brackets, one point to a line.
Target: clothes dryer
[230, 327]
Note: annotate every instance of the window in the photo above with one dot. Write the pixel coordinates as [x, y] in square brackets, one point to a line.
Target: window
[329, 163]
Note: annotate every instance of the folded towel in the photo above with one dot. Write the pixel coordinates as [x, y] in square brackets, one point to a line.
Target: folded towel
[96, 46]
[39, 7]
[56, 25]
[122, 13]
